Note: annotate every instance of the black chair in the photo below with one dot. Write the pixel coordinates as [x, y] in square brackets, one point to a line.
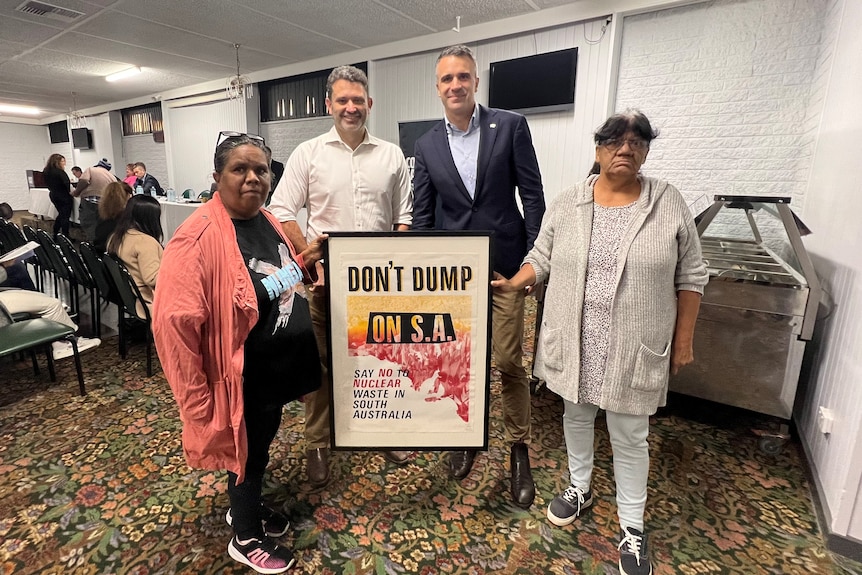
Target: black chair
[18, 237]
[104, 285]
[83, 279]
[32, 334]
[62, 270]
[131, 297]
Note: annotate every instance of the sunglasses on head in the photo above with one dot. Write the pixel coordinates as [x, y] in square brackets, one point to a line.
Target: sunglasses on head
[225, 135]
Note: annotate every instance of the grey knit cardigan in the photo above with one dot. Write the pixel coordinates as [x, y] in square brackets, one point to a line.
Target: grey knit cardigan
[658, 256]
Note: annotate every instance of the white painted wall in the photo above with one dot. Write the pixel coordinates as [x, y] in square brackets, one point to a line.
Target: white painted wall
[22, 147]
[191, 132]
[832, 207]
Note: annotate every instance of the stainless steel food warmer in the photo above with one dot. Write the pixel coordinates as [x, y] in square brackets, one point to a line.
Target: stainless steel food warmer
[757, 312]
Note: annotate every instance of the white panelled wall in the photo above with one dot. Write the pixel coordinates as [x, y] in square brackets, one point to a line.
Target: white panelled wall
[191, 133]
[832, 209]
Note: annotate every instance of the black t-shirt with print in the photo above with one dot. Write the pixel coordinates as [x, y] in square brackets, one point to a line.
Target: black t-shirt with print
[281, 357]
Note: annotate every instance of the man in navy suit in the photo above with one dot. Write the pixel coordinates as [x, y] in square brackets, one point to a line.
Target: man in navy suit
[466, 170]
[147, 181]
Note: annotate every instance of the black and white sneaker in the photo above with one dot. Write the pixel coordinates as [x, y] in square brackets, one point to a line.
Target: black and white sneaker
[275, 524]
[634, 552]
[566, 507]
[262, 555]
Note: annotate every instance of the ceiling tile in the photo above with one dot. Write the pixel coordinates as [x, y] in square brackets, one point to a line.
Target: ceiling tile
[360, 23]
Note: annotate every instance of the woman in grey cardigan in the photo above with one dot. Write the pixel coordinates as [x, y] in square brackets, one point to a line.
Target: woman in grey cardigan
[619, 316]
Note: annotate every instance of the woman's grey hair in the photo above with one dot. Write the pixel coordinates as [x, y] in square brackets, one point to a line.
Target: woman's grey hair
[631, 120]
[223, 151]
[349, 73]
[459, 50]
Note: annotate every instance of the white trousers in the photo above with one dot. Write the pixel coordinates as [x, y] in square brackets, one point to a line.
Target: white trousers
[36, 303]
[628, 435]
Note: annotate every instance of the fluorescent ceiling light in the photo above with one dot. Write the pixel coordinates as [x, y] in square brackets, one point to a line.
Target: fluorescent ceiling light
[124, 74]
[29, 110]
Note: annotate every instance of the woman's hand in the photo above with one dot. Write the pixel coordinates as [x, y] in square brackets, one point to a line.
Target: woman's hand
[502, 284]
[681, 354]
[526, 276]
[313, 252]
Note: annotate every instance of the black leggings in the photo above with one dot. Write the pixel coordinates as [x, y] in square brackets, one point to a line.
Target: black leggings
[64, 206]
[261, 425]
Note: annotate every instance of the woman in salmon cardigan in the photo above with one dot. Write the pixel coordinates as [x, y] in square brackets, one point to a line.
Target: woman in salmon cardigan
[234, 336]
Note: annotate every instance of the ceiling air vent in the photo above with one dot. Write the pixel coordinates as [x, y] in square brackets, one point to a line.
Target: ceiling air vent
[49, 11]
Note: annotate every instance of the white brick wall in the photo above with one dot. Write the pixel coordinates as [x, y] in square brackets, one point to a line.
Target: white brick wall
[284, 137]
[22, 147]
[144, 149]
[727, 83]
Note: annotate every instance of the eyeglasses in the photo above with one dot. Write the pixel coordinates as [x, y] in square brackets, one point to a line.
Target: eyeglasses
[614, 144]
[255, 139]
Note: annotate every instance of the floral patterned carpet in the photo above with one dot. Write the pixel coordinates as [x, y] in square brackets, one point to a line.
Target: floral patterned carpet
[98, 485]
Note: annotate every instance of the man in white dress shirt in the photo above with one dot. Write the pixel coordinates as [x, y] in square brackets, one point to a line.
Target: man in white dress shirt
[349, 181]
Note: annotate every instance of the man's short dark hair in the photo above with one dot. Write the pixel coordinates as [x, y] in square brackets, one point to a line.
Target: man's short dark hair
[6, 211]
[142, 165]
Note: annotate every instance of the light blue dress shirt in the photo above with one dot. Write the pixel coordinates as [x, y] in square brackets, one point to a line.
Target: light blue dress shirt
[464, 146]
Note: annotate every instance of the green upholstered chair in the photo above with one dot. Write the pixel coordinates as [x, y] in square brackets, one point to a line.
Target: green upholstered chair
[37, 334]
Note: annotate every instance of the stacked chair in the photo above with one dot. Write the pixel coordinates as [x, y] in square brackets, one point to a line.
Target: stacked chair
[65, 282]
[84, 279]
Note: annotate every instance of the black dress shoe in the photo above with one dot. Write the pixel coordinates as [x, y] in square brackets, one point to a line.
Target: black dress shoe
[396, 457]
[318, 466]
[461, 462]
[523, 488]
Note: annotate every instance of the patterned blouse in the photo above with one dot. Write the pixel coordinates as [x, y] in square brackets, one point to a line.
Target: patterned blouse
[609, 225]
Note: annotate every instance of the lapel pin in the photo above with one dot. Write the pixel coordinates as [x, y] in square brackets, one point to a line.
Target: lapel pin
[493, 126]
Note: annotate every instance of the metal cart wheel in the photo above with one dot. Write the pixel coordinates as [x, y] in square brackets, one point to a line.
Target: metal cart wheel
[772, 444]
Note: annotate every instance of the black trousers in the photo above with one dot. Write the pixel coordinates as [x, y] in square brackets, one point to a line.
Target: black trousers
[64, 205]
[261, 425]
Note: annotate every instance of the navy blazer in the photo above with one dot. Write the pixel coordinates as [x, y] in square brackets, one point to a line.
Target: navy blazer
[148, 183]
[506, 160]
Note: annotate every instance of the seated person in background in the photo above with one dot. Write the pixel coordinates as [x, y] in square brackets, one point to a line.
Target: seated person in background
[6, 212]
[130, 178]
[137, 240]
[147, 181]
[40, 305]
[111, 207]
[13, 273]
[77, 171]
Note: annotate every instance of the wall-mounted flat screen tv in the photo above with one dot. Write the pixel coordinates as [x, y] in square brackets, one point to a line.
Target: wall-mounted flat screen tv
[81, 139]
[533, 84]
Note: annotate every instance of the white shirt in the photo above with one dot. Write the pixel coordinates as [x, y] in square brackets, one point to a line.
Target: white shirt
[345, 190]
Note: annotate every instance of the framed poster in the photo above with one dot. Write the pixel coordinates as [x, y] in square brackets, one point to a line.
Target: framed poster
[409, 339]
